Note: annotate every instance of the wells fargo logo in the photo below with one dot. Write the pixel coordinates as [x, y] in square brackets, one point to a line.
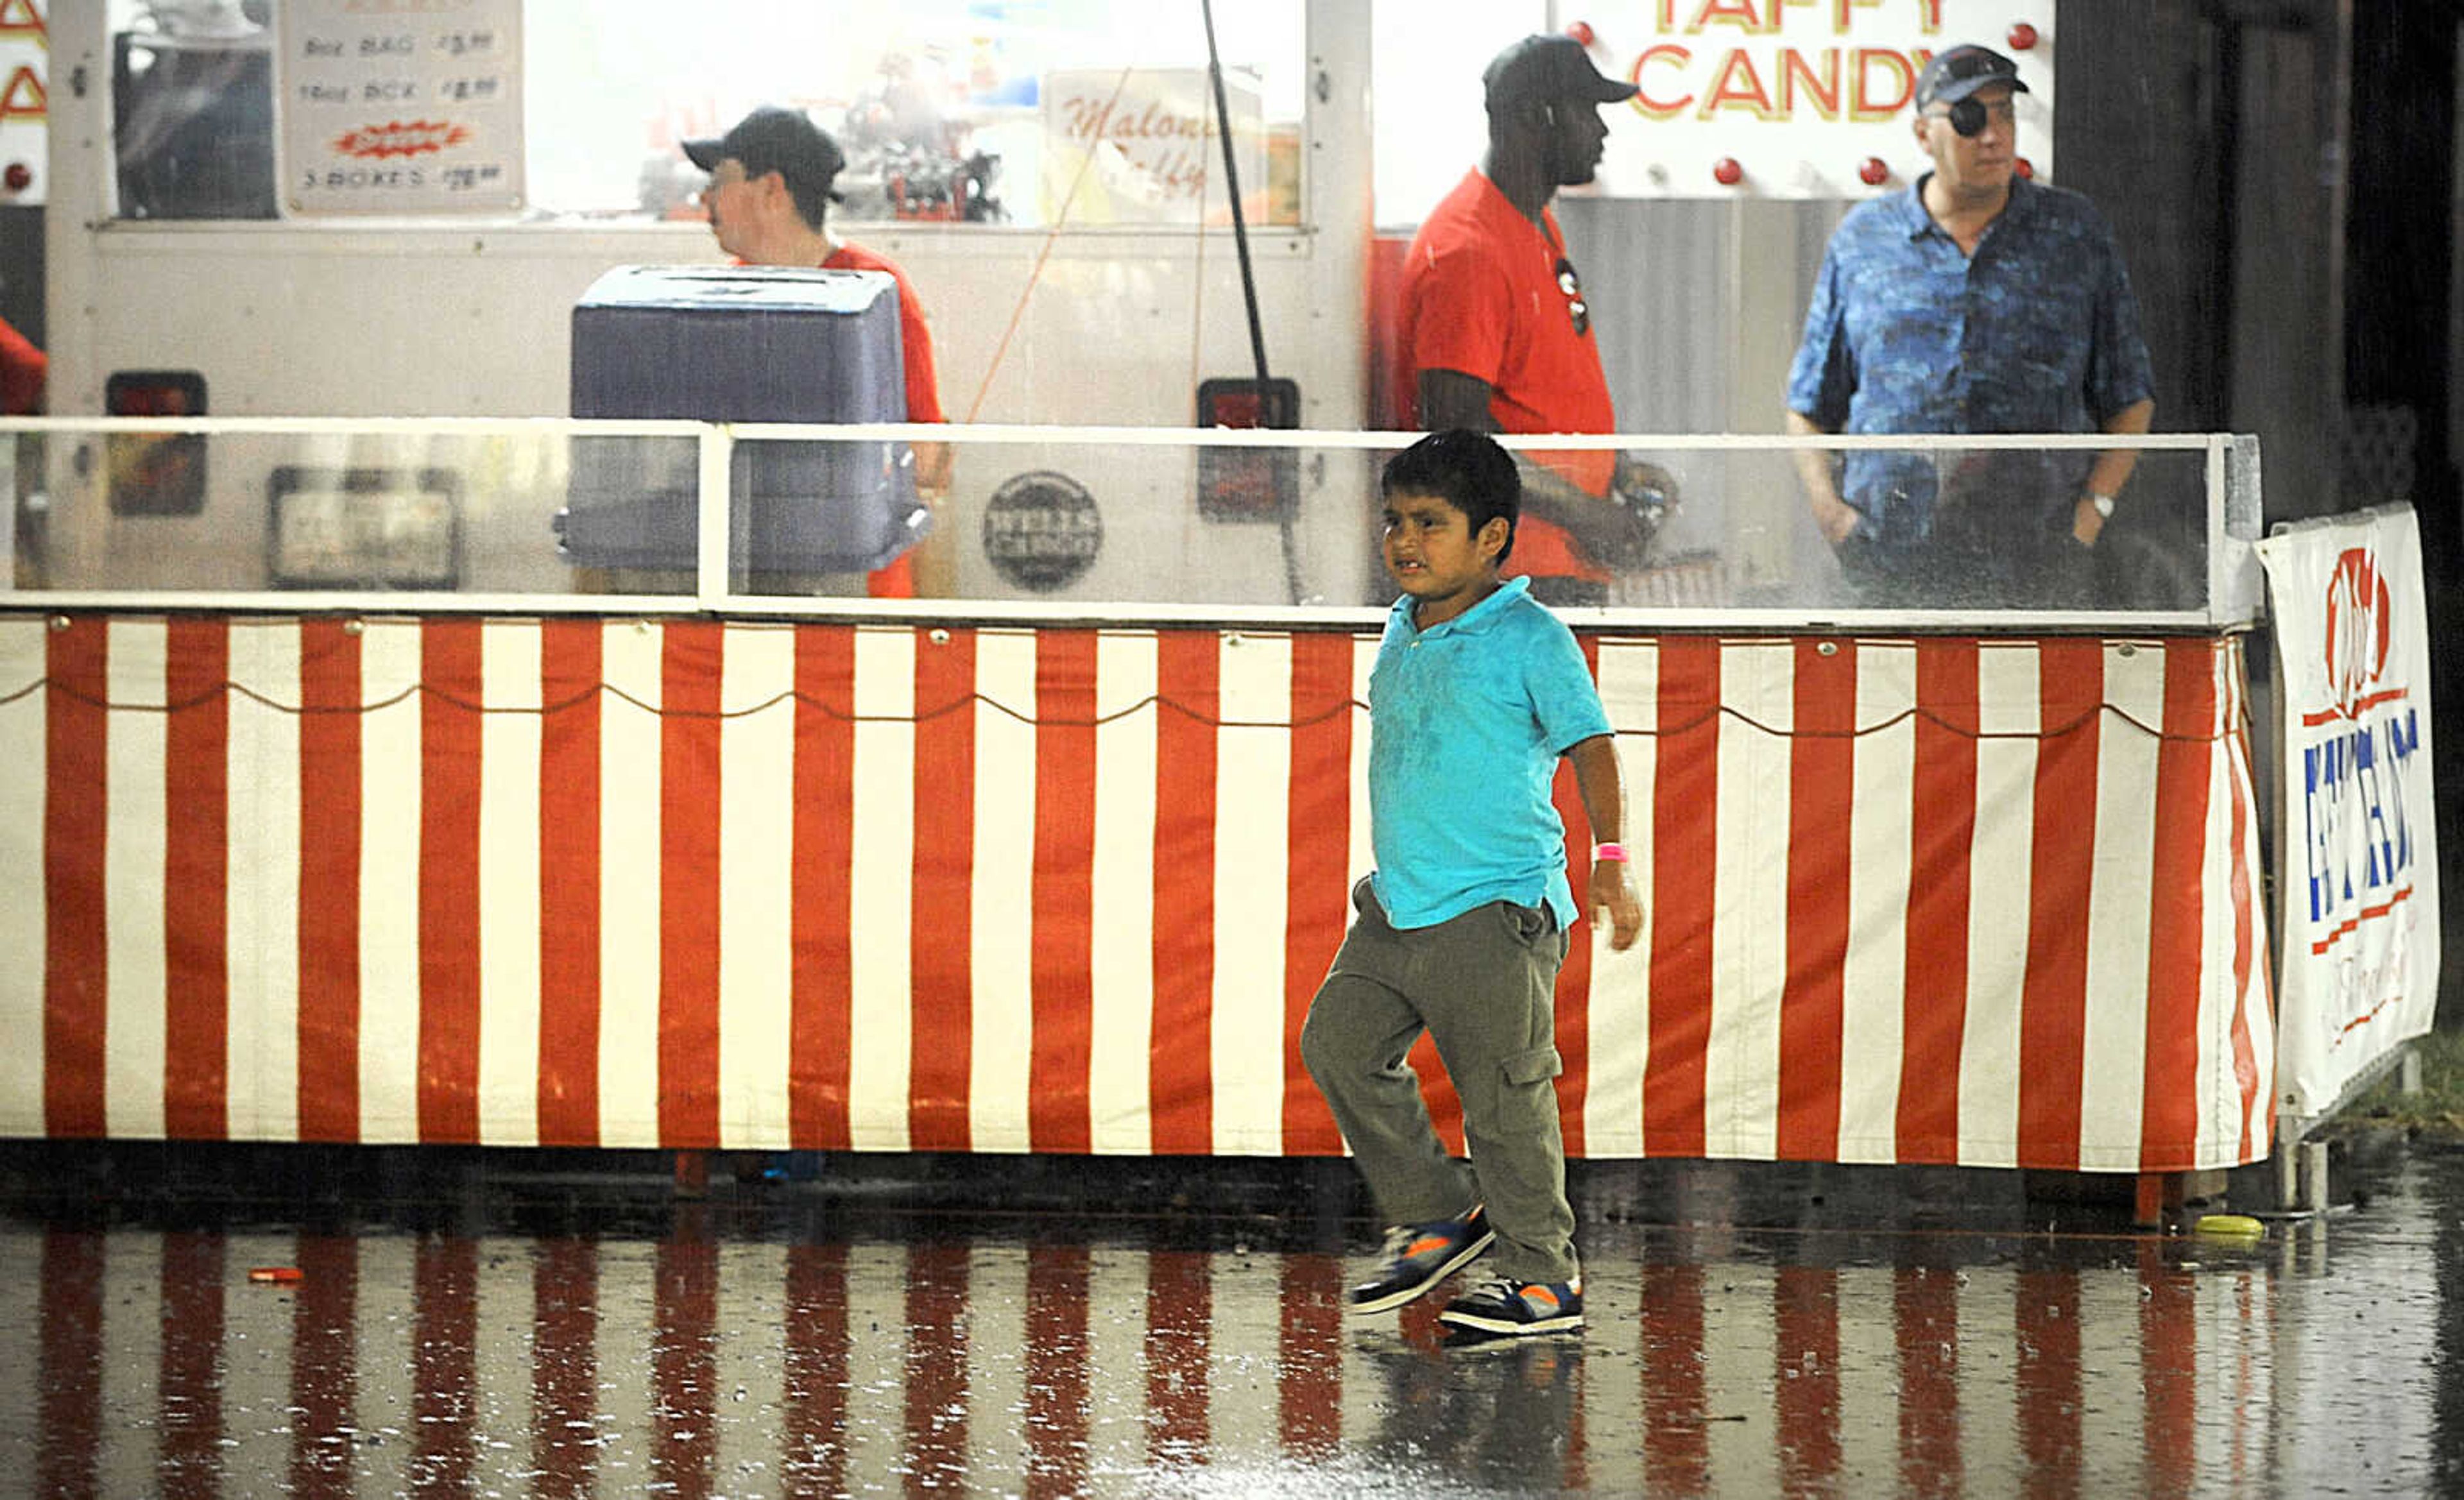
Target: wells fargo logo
[2359, 625]
[400, 138]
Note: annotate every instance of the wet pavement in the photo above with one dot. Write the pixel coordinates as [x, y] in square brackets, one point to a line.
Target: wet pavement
[513, 1324]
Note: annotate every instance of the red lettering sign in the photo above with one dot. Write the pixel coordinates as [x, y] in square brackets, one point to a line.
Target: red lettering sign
[400, 138]
[1735, 12]
[25, 99]
[1823, 91]
[1738, 86]
[1645, 100]
[1872, 101]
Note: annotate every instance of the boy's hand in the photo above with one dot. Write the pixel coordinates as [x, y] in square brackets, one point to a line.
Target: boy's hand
[1612, 892]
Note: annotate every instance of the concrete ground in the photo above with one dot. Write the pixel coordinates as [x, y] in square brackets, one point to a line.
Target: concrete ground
[541, 1324]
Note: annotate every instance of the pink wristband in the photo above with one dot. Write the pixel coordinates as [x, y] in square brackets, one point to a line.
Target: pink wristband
[1609, 851]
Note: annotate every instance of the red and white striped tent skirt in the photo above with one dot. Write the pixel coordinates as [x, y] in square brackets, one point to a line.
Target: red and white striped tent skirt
[818, 885]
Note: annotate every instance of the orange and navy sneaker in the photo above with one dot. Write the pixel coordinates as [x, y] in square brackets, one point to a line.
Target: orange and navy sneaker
[1502, 1306]
[1418, 1256]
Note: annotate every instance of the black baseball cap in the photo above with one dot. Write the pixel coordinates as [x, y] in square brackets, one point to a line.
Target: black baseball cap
[774, 140]
[1548, 68]
[1955, 72]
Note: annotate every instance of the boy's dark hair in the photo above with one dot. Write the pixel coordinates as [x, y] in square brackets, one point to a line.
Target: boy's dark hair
[1467, 470]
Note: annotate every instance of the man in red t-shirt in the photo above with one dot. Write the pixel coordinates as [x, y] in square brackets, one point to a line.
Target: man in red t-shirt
[1492, 331]
[769, 190]
[23, 371]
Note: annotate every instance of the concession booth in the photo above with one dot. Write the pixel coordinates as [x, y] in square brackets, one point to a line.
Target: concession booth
[405, 741]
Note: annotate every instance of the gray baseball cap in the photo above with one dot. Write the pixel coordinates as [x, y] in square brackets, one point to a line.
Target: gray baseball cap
[1954, 72]
[1547, 68]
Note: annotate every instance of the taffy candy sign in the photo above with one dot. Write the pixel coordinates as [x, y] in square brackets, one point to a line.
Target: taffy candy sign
[1797, 98]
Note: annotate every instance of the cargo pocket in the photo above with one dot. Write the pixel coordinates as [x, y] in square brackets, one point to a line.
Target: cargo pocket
[1528, 923]
[1526, 1102]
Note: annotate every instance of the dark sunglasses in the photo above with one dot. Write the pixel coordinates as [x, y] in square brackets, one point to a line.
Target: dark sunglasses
[1572, 286]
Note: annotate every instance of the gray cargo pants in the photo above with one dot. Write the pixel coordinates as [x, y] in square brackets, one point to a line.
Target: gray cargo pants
[1481, 985]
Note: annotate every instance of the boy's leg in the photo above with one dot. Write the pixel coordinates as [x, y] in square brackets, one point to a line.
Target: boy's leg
[1359, 1028]
[1494, 1018]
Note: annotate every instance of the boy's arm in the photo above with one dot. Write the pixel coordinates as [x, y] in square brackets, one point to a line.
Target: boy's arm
[1602, 786]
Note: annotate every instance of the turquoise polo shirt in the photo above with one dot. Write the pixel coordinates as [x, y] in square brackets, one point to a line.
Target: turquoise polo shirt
[1466, 722]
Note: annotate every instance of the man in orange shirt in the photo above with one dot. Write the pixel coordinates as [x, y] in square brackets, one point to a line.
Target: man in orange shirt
[1493, 332]
[23, 372]
[769, 190]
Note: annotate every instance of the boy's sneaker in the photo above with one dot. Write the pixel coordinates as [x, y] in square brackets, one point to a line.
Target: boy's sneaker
[1509, 1307]
[1418, 1256]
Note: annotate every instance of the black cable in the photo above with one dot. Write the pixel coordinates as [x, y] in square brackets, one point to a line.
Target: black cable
[1248, 285]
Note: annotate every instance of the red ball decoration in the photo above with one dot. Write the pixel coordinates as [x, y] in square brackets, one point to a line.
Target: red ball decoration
[19, 177]
[2024, 167]
[1873, 171]
[2023, 38]
[1582, 33]
[1728, 172]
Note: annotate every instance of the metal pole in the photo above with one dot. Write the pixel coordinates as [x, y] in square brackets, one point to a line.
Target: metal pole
[1232, 191]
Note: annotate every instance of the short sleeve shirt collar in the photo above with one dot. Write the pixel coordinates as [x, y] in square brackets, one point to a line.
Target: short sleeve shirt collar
[1479, 617]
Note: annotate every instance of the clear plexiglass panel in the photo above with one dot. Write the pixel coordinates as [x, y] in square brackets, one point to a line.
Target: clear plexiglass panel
[1028, 522]
[403, 508]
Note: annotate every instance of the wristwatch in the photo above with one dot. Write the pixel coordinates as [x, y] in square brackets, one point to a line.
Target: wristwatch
[2104, 504]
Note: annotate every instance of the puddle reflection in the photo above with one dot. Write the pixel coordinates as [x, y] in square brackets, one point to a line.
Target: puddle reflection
[1716, 1362]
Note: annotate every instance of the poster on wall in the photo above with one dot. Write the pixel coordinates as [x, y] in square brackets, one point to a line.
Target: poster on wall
[1786, 98]
[401, 107]
[2355, 833]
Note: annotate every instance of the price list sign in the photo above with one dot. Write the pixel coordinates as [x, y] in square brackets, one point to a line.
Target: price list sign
[401, 107]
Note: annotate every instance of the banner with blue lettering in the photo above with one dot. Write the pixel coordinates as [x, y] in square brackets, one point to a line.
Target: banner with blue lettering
[2356, 837]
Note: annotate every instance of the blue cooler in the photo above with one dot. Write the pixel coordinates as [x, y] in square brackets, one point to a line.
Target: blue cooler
[741, 344]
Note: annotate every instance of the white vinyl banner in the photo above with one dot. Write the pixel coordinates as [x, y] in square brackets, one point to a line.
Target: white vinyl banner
[2356, 830]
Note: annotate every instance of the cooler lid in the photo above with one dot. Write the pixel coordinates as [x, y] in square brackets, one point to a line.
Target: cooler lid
[748, 288]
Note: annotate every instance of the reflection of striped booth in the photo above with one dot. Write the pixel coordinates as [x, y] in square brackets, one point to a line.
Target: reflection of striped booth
[625, 884]
[1715, 1364]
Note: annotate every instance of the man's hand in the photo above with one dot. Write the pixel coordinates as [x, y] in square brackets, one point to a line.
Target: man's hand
[1612, 892]
[1611, 533]
[1837, 518]
[2087, 523]
[1615, 531]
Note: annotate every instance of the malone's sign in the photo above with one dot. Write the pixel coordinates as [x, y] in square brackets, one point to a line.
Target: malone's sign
[1139, 146]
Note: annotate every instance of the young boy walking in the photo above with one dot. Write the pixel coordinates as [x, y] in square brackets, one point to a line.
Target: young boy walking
[1477, 691]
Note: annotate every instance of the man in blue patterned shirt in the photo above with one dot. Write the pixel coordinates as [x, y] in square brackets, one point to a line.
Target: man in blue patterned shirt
[1975, 301]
